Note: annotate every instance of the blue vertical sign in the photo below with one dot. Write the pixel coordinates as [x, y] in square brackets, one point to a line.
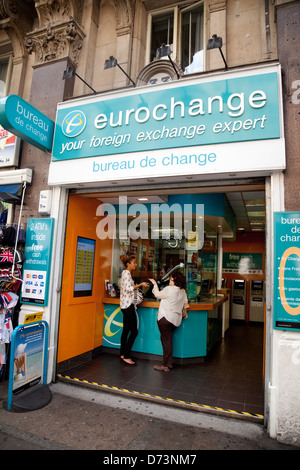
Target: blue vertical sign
[287, 270]
[37, 264]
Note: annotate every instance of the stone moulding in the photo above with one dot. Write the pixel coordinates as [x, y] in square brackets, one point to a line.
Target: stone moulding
[64, 39]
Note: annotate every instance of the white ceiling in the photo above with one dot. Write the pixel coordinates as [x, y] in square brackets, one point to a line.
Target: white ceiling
[249, 208]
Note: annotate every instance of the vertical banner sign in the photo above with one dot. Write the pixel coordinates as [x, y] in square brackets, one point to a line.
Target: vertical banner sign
[37, 264]
[287, 270]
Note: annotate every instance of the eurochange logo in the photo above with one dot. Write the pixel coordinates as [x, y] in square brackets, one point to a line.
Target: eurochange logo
[110, 320]
[73, 123]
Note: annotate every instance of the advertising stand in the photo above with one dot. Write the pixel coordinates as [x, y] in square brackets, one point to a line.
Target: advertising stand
[28, 389]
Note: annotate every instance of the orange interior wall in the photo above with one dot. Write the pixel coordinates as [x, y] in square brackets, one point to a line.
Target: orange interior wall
[248, 242]
[81, 318]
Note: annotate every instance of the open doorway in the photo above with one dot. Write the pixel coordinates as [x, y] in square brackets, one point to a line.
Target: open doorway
[230, 378]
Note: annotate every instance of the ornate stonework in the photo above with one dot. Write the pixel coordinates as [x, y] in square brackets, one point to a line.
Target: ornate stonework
[50, 11]
[16, 20]
[59, 35]
[124, 10]
[59, 40]
[158, 72]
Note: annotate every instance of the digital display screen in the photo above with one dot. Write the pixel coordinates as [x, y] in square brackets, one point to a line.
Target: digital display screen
[257, 285]
[239, 285]
[85, 254]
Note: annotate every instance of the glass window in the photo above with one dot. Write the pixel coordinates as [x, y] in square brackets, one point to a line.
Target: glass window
[192, 40]
[161, 32]
[3, 78]
[181, 240]
[189, 36]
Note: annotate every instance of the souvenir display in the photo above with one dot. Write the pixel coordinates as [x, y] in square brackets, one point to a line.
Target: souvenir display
[11, 260]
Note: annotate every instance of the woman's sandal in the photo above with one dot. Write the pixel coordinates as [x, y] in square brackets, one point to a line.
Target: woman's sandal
[132, 363]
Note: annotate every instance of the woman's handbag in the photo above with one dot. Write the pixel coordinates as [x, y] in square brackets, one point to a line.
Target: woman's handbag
[138, 296]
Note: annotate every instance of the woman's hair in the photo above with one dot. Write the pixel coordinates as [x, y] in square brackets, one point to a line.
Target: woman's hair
[179, 279]
[126, 259]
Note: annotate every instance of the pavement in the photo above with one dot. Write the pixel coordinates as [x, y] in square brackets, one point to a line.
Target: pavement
[79, 418]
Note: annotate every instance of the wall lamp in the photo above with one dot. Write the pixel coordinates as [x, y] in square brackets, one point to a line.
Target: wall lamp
[217, 43]
[70, 72]
[165, 50]
[112, 62]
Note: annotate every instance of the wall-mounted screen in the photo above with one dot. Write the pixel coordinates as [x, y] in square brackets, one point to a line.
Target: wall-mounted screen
[85, 254]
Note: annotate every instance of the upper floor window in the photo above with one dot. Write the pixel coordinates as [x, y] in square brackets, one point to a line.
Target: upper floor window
[4, 76]
[192, 40]
[162, 30]
[182, 29]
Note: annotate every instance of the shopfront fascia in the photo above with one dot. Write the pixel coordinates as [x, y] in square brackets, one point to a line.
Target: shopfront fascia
[202, 130]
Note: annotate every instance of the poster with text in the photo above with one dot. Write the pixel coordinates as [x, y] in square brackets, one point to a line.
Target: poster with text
[37, 264]
[287, 270]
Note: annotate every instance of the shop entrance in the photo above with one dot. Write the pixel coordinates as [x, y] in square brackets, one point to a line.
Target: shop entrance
[229, 379]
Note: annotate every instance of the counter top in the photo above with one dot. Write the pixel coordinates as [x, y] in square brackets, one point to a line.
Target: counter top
[208, 304]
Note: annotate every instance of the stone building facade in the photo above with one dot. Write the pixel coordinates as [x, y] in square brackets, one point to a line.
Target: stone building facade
[40, 39]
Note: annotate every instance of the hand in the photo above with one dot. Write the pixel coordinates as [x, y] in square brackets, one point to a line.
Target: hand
[144, 284]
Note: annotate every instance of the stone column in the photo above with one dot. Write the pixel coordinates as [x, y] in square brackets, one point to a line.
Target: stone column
[55, 45]
[125, 19]
[216, 25]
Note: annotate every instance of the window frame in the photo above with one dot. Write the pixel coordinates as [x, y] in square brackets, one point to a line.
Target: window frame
[190, 8]
[7, 58]
[161, 12]
[177, 30]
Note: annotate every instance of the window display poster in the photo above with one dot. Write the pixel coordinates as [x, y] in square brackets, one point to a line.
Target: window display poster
[85, 254]
[287, 271]
[37, 264]
[243, 263]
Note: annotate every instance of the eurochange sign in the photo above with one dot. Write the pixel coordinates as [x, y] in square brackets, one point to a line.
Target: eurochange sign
[183, 127]
[22, 119]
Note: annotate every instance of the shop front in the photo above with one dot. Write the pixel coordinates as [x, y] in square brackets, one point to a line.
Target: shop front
[149, 172]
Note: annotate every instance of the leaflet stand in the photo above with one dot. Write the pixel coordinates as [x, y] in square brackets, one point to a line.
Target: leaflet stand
[27, 388]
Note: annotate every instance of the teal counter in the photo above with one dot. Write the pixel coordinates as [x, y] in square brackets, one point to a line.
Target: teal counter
[195, 337]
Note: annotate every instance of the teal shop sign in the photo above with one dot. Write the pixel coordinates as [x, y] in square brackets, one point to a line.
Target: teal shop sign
[37, 264]
[287, 270]
[25, 121]
[184, 114]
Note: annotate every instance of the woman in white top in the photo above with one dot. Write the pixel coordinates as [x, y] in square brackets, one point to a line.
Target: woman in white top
[130, 331]
[173, 298]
